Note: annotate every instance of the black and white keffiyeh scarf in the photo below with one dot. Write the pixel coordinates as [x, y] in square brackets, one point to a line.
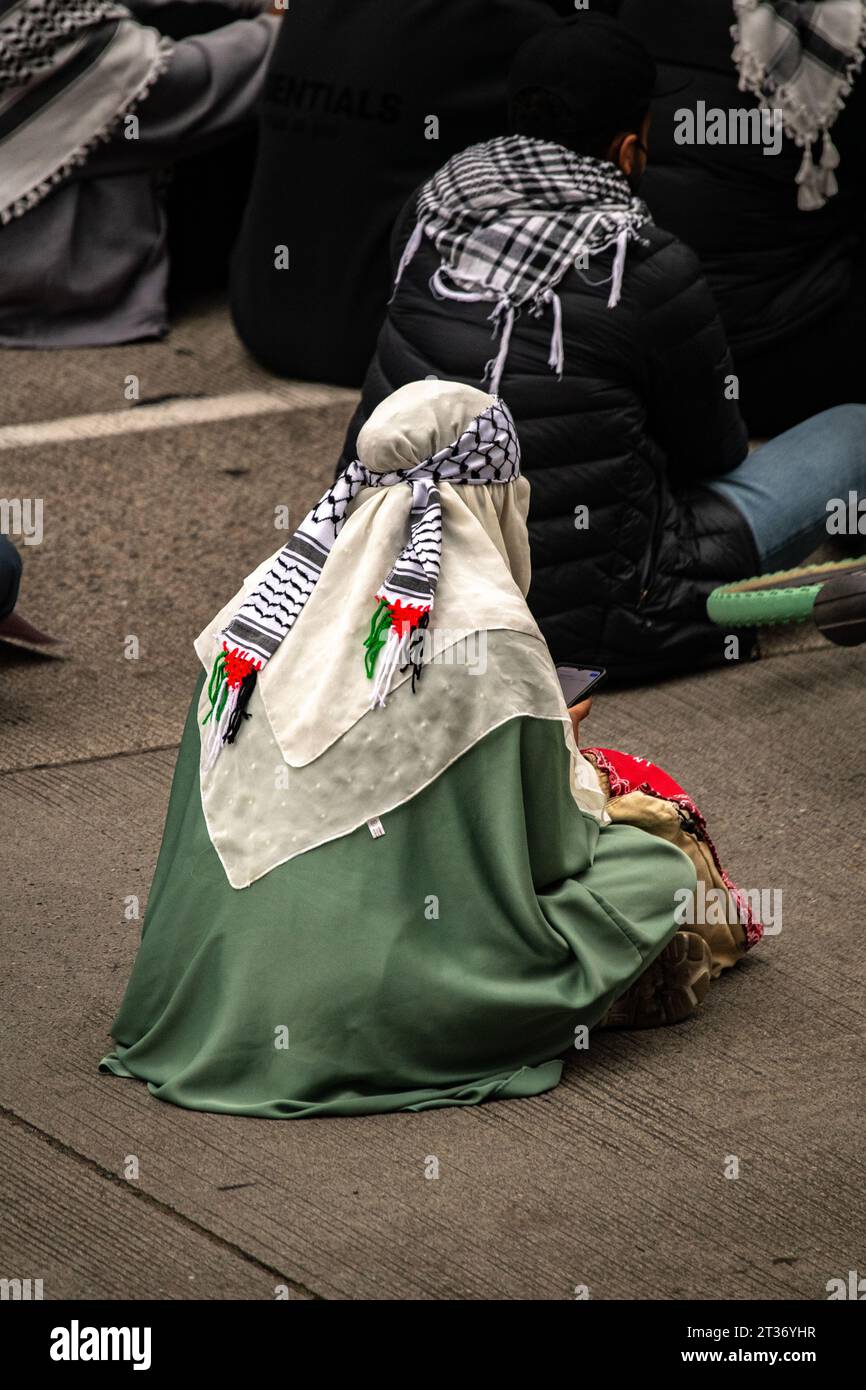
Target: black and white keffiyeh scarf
[70, 70]
[486, 452]
[510, 217]
[801, 59]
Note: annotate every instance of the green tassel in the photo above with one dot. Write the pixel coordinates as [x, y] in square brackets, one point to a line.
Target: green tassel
[217, 688]
[377, 636]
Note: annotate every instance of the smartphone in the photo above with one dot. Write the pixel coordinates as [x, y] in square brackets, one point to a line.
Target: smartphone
[579, 681]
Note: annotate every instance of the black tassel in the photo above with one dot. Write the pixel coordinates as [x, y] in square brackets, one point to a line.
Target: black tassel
[416, 649]
[239, 713]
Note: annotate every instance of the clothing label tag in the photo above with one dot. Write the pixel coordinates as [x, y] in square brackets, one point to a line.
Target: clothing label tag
[376, 828]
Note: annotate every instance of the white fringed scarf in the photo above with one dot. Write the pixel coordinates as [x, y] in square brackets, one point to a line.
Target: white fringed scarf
[70, 70]
[801, 59]
[510, 217]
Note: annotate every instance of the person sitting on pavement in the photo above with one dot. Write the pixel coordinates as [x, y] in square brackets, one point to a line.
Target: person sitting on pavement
[95, 106]
[612, 355]
[388, 879]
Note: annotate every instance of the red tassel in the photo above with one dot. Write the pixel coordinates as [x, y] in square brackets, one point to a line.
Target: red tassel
[238, 666]
[404, 616]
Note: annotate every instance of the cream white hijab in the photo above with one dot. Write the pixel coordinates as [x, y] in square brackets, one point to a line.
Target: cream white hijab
[315, 762]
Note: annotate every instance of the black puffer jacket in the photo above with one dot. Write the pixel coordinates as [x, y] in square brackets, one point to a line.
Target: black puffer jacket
[638, 420]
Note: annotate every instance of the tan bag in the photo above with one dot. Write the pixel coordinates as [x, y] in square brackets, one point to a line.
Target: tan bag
[726, 940]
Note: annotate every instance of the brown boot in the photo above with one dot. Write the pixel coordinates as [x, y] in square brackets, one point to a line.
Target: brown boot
[669, 990]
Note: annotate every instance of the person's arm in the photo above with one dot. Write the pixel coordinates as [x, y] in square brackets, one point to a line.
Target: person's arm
[210, 88]
[579, 712]
[692, 411]
[177, 19]
[560, 838]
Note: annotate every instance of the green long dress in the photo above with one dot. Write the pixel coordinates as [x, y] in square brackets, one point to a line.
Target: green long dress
[445, 963]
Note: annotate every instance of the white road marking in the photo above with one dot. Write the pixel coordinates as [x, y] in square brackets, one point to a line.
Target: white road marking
[170, 414]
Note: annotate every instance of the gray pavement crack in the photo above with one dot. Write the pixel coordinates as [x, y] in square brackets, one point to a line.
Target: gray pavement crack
[136, 1193]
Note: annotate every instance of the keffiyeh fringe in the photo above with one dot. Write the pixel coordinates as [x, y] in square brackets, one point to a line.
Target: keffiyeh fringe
[759, 56]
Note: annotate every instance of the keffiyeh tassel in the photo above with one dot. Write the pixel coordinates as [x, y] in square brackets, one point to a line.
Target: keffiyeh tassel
[809, 195]
[502, 319]
[408, 252]
[817, 182]
[393, 659]
[618, 270]
[232, 681]
[556, 357]
[405, 625]
[829, 162]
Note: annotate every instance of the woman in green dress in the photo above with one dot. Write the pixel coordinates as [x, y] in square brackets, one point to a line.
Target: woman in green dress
[387, 879]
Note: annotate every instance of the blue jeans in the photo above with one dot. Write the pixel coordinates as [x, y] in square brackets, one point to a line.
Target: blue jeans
[782, 489]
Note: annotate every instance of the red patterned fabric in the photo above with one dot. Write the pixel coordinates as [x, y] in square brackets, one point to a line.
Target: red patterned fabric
[628, 774]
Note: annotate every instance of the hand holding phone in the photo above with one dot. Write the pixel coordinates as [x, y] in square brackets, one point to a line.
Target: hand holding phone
[578, 683]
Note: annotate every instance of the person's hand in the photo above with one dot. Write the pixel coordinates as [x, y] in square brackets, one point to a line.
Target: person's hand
[578, 712]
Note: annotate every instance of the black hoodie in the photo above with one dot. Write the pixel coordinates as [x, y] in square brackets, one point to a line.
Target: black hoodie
[362, 102]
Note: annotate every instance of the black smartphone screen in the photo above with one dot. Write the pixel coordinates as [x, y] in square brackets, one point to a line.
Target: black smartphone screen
[579, 681]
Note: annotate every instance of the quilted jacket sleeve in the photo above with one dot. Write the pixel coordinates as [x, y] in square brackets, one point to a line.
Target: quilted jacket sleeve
[693, 411]
[209, 90]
